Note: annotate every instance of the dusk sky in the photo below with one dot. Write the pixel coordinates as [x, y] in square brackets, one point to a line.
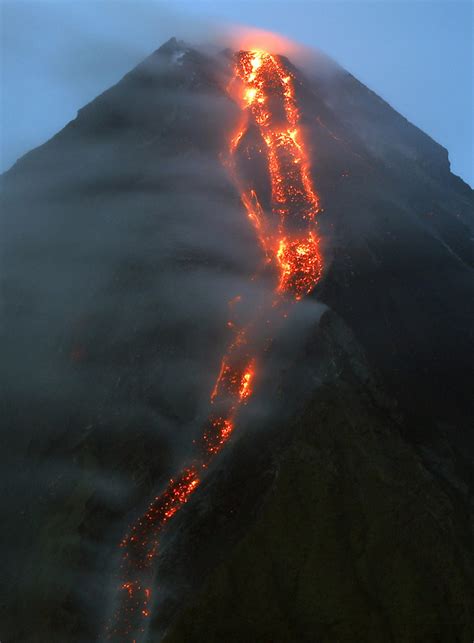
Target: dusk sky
[57, 56]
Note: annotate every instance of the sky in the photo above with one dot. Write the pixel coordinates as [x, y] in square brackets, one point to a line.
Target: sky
[58, 55]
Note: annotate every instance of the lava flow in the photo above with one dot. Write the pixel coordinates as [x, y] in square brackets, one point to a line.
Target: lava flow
[289, 236]
[287, 231]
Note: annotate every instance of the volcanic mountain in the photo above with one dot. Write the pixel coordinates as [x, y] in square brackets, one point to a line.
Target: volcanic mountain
[238, 330]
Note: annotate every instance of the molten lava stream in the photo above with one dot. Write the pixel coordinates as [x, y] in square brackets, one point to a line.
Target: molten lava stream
[287, 233]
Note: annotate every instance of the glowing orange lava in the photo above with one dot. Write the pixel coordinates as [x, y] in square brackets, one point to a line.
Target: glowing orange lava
[287, 232]
[269, 94]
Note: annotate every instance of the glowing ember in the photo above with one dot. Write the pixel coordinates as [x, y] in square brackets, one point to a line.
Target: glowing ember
[217, 435]
[245, 383]
[287, 233]
[300, 265]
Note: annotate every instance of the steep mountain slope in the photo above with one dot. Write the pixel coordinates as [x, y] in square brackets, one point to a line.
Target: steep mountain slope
[343, 509]
[356, 540]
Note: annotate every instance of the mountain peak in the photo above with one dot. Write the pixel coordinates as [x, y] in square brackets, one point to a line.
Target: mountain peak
[172, 46]
[124, 238]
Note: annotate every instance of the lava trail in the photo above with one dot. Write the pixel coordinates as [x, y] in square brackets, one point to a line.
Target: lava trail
[286, 228]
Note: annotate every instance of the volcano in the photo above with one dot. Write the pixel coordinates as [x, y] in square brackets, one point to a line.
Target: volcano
[238, 387]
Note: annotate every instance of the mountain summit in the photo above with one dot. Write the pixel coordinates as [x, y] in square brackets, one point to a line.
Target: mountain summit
[255, 280]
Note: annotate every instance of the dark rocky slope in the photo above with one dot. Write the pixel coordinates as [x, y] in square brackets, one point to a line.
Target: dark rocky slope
[348, 514]
[356, 540]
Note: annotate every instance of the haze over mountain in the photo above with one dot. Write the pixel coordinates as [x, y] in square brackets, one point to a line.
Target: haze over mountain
[341, 509]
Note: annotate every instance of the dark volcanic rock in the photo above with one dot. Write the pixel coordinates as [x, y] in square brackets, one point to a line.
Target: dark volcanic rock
[356, 540]
[345, 512]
